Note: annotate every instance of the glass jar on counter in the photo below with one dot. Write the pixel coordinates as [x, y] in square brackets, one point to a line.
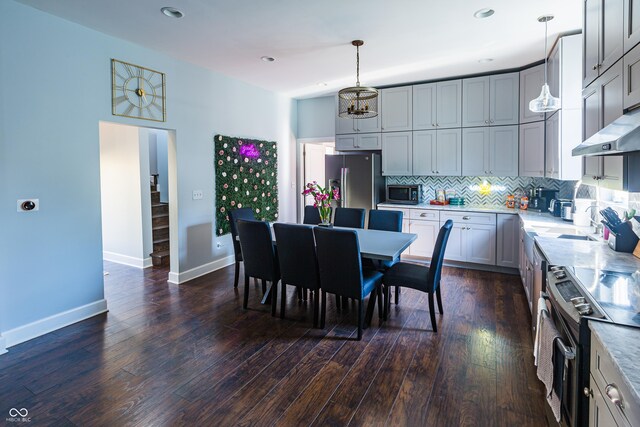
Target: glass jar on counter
[511, 201]
[524, 203]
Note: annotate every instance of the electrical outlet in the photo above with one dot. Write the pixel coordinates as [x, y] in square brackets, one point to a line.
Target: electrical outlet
[219, 245]
[28, 205]
[198, 194]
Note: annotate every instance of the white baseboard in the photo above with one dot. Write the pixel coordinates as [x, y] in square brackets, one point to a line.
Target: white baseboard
[180, 278]
[52, 323]
[127, 260]
[3, 345]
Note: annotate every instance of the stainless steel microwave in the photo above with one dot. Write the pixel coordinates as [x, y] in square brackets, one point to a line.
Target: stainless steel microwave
[407, 194]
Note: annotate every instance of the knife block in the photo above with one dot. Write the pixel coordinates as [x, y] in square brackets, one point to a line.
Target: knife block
[623, 238]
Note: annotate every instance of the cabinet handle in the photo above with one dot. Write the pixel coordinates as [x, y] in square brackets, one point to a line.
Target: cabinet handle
[587, 392]
[468, 228]
[595, 67]
[491, 172]
[486, 122]
[491, 121]
[438, 172]
[466, 217]
[599, 65]
[614, 396]
[433, 124]
[423, 214]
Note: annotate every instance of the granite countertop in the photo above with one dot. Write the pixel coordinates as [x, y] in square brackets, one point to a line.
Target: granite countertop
[586, 254]
[623, 345]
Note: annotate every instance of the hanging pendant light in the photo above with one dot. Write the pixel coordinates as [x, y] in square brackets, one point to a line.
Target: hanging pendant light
[358, 102]
[545, 102]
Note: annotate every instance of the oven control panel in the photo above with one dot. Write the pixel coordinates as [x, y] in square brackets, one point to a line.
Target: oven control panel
[568, 295]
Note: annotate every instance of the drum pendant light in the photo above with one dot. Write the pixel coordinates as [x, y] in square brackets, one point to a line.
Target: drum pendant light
[358, 102]
[545, 102]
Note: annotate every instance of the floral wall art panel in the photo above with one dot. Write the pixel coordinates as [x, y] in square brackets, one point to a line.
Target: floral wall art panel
[246, 173]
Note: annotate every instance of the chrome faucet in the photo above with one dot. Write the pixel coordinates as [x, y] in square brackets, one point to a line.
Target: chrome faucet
[597, 224]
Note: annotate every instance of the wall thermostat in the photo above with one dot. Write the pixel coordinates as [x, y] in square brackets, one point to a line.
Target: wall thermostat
[28, 205]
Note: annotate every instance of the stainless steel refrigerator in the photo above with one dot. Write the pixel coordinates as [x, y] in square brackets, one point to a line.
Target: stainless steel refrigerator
[359, 178]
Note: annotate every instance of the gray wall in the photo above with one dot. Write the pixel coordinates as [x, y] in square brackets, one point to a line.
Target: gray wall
[56, 88]
[317, 118]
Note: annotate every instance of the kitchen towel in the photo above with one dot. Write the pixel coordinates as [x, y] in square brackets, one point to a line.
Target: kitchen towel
[548, 336]
[542, 306]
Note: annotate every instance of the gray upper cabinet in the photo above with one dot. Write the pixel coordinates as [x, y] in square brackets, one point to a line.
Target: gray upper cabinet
[631, 75]
[449, 104]
[531, 152]
[475, 102]
[531, 81]
[504, 97]
[603, 37]
[503, 151]
[396, 109]
[425, 106]
[397, 152]
[424, 153]
[449, 152]
[437, 105]
[490, 101]
[475, 151]
[437, 153]
[490, 151]
[631, 24]
[345, 126]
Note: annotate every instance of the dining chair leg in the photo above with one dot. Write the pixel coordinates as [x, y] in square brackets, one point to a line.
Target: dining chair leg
[432, 313]
[299, 293]
[283, 299]
[380, 302]
[371, 306]
[387, 302]
[338, 303]
[246, 292]
[439, 297]
[316, 304]
[237, 275]
[305, 296]
[360, 319]
[397, 295]
[323, 313]
[264, 286]
[274, 298]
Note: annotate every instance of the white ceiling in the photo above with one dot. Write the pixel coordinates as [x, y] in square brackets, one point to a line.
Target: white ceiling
[405, 40]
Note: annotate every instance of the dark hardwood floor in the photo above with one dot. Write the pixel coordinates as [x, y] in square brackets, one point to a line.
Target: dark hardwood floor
[189, 354]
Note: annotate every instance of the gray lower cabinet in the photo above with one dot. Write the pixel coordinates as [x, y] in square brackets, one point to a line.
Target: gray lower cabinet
[360, 141]
[507, 249]
[437, 153]
[472, 237]
[397, 153]
[491, 100]
[427, 232]
[396, 105]
[490, 151]
[531, 81]
[531, 151]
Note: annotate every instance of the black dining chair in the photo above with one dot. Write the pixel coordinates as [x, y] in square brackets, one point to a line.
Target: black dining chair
[298, 263]
[384, 220]
[312, 216]
[349, 217]
[235, 215]
[420, 277]
[259, 255]
[341, 272]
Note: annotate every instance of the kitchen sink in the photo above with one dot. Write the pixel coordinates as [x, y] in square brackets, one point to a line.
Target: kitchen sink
[576, 237]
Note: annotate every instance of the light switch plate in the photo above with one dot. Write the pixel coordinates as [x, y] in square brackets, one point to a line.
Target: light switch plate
[198, 194]
[28, 205]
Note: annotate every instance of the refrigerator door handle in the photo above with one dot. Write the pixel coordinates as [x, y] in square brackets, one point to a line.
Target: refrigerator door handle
[343, 187]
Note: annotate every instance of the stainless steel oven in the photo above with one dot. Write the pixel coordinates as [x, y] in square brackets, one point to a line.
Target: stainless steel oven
[570, 308]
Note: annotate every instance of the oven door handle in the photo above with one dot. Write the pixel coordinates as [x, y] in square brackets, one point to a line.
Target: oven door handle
[568, 352]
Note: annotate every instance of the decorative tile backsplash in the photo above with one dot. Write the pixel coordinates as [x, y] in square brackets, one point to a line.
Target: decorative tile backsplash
[462, 184]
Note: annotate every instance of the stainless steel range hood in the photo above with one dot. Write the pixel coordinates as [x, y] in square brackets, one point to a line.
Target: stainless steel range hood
[621, 136]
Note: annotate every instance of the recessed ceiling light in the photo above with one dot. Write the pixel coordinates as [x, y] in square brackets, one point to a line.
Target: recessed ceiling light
[172, 12]
[268, 59]
[484, 13]
[484, 60]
